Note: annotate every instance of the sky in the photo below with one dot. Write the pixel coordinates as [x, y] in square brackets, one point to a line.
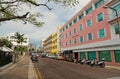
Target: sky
[59, 15]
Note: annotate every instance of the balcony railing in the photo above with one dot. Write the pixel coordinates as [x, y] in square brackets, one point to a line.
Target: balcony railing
[107, 1]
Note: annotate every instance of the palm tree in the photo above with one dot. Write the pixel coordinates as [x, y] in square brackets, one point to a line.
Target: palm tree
[20, 40]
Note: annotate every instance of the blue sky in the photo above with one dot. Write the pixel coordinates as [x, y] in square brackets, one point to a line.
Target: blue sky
[57, 16]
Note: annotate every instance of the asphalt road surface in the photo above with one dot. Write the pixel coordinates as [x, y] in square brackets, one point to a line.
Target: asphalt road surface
[56, 69]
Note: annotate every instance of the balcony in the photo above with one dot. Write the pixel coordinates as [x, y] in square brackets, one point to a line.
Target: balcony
[108, 1]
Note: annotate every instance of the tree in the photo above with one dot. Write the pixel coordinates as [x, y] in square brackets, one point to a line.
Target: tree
[5, 42]
[10, 10]
[19, 38]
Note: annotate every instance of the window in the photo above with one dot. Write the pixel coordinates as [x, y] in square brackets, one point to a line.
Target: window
[100, 2]
[81, 27]
[90, 36]
[89, 10]
[82, 55]
[66, 35]
[81, 39]
[100, 17]
[70, 42]
[81, 16]
[70, 24]
[62, 36]
[105, 54]
[75, 20]
[116, 28]
[66, 27]
[70, 33]
[89, 23]
[75, 41]
[117, 56]
[101, 33]
[74, 30]
[63, 29]
[66, 44]
[117, 7]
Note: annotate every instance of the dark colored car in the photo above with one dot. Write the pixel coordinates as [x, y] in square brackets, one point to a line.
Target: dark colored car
[34, 57]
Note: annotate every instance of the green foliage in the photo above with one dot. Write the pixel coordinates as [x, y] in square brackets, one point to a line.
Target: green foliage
[11, 10]
[19, 37]
[5, 42]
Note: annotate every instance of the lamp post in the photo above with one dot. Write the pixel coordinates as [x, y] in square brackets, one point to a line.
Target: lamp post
[116, 16]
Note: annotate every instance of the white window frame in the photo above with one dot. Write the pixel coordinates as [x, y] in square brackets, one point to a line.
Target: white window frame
[87, 36]
[104, 32]
[97, 17]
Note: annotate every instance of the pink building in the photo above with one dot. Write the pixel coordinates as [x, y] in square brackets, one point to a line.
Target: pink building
[90, 35]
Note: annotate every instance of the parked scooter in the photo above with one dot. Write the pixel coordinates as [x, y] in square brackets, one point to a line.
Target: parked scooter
[88, 62]
[101, 63]
[94, 62]
[82, 61]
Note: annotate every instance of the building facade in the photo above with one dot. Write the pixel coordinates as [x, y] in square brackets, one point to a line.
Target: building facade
[48, 45]
[89, 35]
[54, 43]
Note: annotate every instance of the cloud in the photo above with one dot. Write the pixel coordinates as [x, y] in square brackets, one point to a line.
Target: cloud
[57, 16]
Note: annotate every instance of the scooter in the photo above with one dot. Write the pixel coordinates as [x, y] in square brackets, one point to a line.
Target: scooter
[88, 62]
[82, 61]
[92, 63]
[97, 63]
[101, 63]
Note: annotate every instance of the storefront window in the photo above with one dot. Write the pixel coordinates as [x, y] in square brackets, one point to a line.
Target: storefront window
[106, 55]
[117, 55]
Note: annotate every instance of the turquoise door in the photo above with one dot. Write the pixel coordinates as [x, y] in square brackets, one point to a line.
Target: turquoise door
[106, 55]
[117, 55]
[91, 55]
[82, 55]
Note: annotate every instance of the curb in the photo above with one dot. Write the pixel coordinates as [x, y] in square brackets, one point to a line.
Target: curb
[6, 66]
[113, 67]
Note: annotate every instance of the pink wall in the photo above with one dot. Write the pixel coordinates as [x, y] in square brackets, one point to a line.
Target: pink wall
[93, 29]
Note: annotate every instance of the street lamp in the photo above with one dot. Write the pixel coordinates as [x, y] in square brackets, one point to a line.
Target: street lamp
[116, 16]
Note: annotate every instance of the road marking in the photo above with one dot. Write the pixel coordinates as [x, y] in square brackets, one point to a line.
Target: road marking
[31, 71]
[38, 73]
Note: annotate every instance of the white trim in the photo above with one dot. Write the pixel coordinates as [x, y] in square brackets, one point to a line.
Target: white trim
[107, 43]
[99, 49]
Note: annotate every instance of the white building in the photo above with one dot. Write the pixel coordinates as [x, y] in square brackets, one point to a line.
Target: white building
[11, 37]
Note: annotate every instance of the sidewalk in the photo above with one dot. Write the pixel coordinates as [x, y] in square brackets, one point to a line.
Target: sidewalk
[112, 67]
[21, 70]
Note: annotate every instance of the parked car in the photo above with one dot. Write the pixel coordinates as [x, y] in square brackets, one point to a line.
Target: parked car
[34, 57]
[43, 55]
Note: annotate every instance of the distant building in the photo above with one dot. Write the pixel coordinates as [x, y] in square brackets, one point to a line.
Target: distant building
[41, 48]
[54, 43]
[48, 45]
[32, 47]
[11, 37]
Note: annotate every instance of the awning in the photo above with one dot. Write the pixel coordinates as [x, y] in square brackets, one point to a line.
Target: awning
[6, 49]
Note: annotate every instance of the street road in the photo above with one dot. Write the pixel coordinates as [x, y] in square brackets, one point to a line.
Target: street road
[56, 69]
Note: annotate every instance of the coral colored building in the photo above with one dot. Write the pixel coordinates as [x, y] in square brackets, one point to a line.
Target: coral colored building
[89, 35]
